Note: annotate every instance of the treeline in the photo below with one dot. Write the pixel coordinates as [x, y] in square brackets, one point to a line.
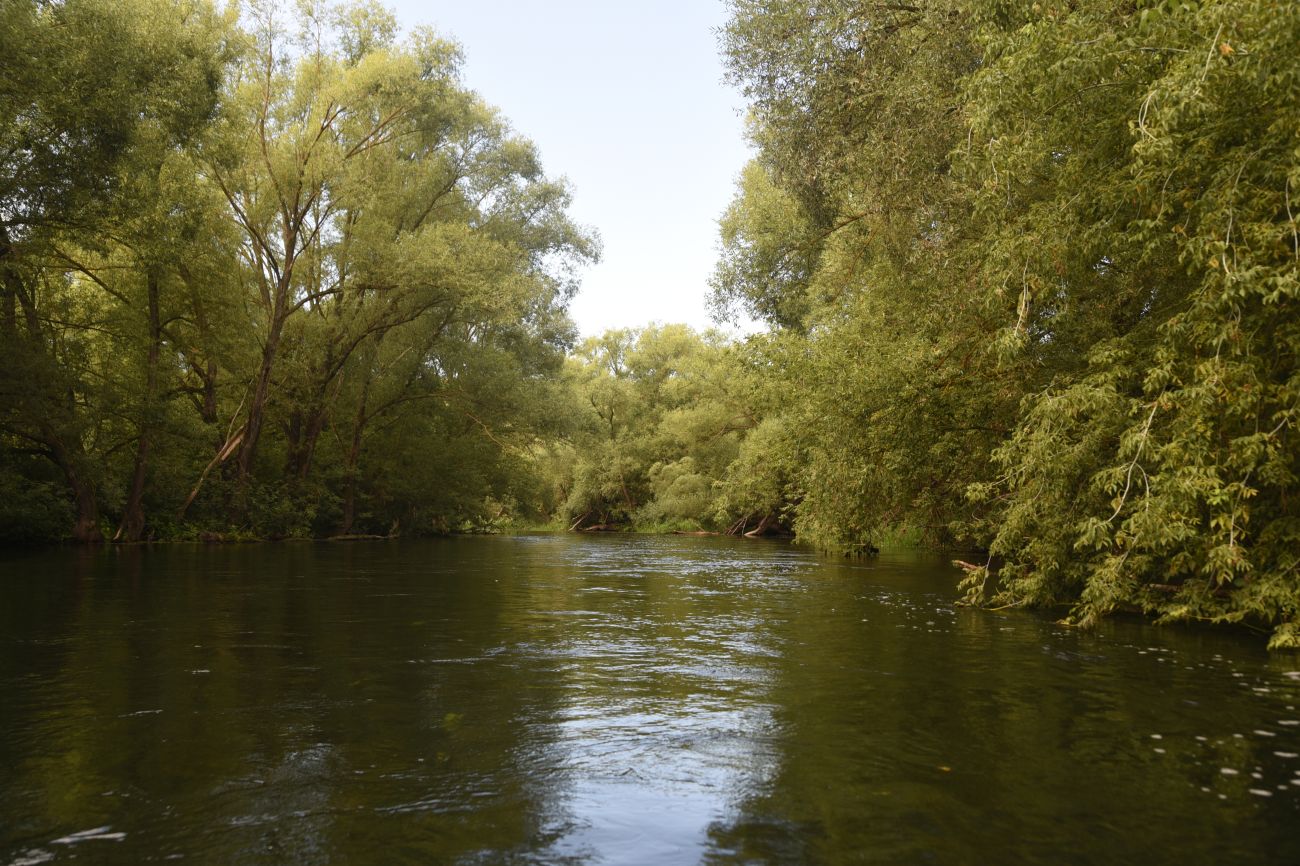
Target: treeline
[1031, 271]
[267, 276]
[670, 430]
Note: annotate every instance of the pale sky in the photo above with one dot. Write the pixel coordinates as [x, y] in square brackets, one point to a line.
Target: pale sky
[627, 101]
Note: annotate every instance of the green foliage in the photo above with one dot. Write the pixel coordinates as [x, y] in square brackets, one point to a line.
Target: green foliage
[765, 476]
[269, 279]
[85, 80]
[896, 387]
[1175, 439]
[1030, 269]
[33, 507]
[1044, 260]
[768, 254]
[97, 95]
[680, 493]
[659, 419]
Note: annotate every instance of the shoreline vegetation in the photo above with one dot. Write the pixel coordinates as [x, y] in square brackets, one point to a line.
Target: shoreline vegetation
[1029, 274]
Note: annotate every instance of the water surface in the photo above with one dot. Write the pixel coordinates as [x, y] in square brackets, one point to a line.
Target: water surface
[623, 699]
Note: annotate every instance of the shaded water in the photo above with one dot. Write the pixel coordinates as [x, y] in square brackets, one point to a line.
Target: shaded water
[556, 699]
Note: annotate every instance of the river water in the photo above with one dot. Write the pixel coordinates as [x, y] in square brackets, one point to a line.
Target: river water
[616, 699]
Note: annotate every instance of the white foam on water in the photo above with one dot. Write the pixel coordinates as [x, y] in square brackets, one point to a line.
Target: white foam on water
[32, 857]
[102, 834]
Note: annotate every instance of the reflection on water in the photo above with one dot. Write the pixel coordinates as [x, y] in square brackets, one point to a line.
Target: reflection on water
[664, 718]
[557, 699]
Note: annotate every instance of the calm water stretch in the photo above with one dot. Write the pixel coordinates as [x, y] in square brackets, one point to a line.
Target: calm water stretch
[624, 699]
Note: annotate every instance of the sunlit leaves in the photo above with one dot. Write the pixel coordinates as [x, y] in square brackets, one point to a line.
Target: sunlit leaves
[1047, 267]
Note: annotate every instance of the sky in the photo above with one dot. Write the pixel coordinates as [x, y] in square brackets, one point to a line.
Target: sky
[627, 101]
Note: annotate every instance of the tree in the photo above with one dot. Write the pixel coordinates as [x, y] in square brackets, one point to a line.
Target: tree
[662, 412]
[1168, 442]
[374, 193]
[1039, 261]
[847, 233]
[90, 85]
[334, 242]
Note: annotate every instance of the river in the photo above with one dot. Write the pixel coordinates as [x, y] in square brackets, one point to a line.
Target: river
[614, 699]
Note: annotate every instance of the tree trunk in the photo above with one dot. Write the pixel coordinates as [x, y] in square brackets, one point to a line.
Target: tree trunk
[46, 429]
[261, 394]
[353, 459]
[209, 410]
[132, 525]
[8, 292]
[257, 409]
[315, 426]
[350, 487]
[207, 406]
[292, 441]
[224, 449]
[86, 528]
[257, 412]
[16, 296]
[305, 428]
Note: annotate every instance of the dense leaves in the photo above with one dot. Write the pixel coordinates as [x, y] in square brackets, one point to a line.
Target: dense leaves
[266, 277]
[1042, 259]
[1030, 273]
[659, 421]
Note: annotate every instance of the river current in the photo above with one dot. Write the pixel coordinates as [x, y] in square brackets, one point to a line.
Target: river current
[618, 700]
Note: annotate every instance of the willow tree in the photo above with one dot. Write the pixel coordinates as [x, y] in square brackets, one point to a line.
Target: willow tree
[849, 234]
[659, 419]
[220, 238]
[374, 194]
[1041, 260]
[1145, 163]
[90, 87]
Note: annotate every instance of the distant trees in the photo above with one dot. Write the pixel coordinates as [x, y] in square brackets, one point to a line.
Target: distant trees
[263, 276]
[660, 422]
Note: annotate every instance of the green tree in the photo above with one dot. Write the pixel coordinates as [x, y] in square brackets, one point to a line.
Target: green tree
[374, 193]
[848, 233]
[90, 86]
[662, 412]
[223, 239]
[1165, 228]
[1036, 263]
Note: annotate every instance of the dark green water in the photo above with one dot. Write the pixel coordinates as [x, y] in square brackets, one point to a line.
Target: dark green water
[557, 699]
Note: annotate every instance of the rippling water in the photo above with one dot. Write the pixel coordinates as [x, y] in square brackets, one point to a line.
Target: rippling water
[622, 699]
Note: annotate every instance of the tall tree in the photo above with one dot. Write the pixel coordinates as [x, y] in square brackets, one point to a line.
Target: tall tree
[1040, 261]
[87, 82]
[373, 192]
